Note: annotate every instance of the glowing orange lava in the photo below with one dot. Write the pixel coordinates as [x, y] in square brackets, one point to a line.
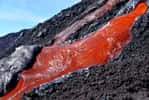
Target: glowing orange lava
[96, 49]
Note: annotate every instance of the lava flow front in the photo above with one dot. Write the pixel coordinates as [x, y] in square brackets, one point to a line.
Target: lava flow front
[96, 49]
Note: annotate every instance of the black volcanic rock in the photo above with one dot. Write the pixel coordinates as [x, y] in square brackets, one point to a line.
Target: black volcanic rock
[124, 78]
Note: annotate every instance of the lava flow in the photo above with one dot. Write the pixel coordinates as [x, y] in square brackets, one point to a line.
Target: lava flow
[96, 49]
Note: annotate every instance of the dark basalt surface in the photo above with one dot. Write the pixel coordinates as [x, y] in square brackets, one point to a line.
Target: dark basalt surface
[124, 78]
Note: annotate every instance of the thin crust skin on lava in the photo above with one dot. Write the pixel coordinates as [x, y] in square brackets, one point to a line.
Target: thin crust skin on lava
[96, 49]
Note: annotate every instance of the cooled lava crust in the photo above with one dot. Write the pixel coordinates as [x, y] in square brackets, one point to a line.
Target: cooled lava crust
[124, 78]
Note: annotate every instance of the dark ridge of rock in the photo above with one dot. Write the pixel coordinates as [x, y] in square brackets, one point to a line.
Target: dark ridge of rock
[125, 78]
[94, 25]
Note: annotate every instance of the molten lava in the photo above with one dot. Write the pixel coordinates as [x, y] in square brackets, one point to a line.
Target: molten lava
[96, 49]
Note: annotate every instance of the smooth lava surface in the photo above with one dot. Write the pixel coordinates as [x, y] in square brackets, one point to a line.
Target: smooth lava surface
[96, 49]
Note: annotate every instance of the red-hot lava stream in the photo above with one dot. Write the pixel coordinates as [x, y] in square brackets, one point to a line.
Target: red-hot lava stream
[96, 49]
